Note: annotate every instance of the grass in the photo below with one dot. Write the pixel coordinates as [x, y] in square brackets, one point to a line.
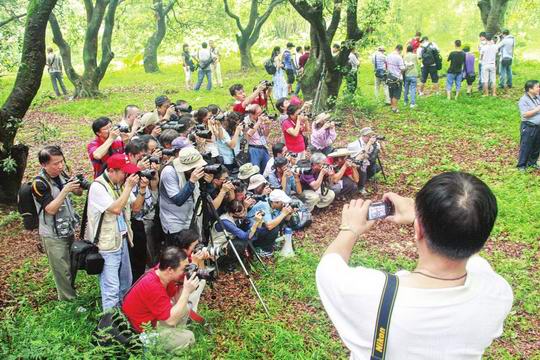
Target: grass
[474, 134]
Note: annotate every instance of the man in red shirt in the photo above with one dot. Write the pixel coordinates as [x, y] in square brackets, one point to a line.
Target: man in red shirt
[415, 41]
[346, 177]
[241, 100]
[304, 58]
[108, 141]
[157, 299]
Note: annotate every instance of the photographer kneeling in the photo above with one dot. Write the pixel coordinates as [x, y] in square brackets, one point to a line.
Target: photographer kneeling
[451, 306]
[159, 300]
[345, 177]
[366, 150]
[315, 183]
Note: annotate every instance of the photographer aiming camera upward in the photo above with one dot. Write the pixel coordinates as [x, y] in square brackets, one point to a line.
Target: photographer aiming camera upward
[110, 203]
[257, 128]
[366, 150]
[294, 128]
[109, 140]
[452, 303]
[51, 190]
[282, 177]
[228, 137]
[241, 100]
[161, 298]
[323, 133]
[315, 182]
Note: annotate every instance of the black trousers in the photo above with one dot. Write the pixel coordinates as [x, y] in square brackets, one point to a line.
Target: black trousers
[529, 146]
[138, 253]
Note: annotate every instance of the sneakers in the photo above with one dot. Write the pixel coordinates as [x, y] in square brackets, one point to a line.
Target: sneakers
[413, 106]
[395, 111]
[362, 191]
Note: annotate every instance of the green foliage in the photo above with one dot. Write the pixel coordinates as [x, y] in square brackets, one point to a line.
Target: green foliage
[9, 165]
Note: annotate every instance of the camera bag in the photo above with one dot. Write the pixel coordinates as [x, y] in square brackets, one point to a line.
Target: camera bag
[26, 205]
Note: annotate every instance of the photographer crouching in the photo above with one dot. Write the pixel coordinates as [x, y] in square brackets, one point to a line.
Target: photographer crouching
[345, 176]
[365, 151]
[452, 305]
[316, 181]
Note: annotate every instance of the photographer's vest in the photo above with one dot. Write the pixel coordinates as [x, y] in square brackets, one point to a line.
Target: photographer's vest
[219, 238]
[64, 222]
[109, 237]
[185, 215]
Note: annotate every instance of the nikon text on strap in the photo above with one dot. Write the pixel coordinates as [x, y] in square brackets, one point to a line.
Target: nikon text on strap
[384, 314]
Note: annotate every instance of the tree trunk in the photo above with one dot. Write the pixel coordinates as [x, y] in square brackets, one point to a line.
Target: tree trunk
[86, 87]
[150, 60]
[24, 90]
[246, 61]
[492, 13]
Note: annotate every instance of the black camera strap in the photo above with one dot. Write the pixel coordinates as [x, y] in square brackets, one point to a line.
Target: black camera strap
[384, 315]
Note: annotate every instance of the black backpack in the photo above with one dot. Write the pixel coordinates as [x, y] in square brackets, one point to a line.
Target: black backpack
[270, 67]
[431, 56]
[26, 205]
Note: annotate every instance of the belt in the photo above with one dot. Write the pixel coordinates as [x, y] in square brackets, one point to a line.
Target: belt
[529, 124]
[258, 146]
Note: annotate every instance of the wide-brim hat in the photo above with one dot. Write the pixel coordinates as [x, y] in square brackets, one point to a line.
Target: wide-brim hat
[255, 181]
[247, 170]
[189, 158]
[366, 131]
[322, 117]
[150, 118]
[339, 153]
[279, 195]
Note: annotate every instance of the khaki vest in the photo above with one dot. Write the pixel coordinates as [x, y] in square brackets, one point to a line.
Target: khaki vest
[110, 238]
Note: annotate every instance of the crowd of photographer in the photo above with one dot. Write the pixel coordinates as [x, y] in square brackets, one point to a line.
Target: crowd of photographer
[177, 189]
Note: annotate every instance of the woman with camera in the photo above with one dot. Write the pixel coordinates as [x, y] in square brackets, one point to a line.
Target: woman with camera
[280, 85]
[283, 178]
[229, 135]
[323, 134]
[293, 131]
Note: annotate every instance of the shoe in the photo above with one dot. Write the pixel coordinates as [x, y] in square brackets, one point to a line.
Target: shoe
[522, 169]
[535, 166]
[413, 106]
[395, 111]
[362, 191]
[420, 94]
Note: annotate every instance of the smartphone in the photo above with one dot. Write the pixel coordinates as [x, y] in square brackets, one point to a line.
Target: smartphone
[380, 210]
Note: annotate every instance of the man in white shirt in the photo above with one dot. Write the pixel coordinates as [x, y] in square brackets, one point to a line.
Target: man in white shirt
[488, 55]
[451, 306]
[352, 76]
[205, 60]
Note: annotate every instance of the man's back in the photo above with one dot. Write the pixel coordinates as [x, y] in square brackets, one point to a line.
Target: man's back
[447, 323]
[489, 54]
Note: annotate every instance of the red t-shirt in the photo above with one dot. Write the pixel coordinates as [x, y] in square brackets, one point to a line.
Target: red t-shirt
[239, 108]
[415, 43]
[99, 165]
[296, 143]
[303, 59]
[348, 171]
[148, 301]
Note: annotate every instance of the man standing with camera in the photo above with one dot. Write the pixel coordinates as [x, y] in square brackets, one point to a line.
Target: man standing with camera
[109, 140]
[451, 306]
[394, 79]
[110, 202]
[57, 217]
[529, 107]
[205, 59]
[316, 183]
[158, 299]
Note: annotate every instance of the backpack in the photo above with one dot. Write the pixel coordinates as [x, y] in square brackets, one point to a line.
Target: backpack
[26, 205]
[270, 67]
[431, 56]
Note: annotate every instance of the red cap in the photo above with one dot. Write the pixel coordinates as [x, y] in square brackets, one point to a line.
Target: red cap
[121, 162]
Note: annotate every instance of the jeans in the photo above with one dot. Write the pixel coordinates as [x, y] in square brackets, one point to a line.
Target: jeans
[115, 280]
[480, 84]
[505, 73]
[57, 77]
[451, 78]
[258, 156]
[529, 145]
[410, 88]
[201, 75]
[371, 170]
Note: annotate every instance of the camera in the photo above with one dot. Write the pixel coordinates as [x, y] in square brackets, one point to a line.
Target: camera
[200, 131]
[380, 137]
[267, 84]
[256, 197]
[213, 251]
[174, 125]
[380, 210]
[212, 168]
[272, 117]
[122, 128]
[220, 116]
[168, 152]
[152, 159]
[148, 173]
[203, 274]
[301, 167]
[83, 183]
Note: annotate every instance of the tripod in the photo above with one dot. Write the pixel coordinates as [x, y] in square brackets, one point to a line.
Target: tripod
[317, 99]
[208, 209]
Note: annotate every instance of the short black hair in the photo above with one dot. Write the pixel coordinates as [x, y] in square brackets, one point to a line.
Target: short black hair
[213, 108]
[418, 33]
[201, 114]
[204, 45]
[234, 88]
[457, 43]
[307, 47]
[336, 46]
[280, 103]
[277, 149]
[291, 109]
[167, 136]
[489, 37]
[529, 84]
[425, 38]
[171, 257]
[457, 211]
[45, 154]
[466, 48]
[185, 238]
[506, 32]
[99, 123]
[135, 147]
[298, 48]
[160, 100]
[399, 47]
[482, 34]
[290, 45]
[410, 48]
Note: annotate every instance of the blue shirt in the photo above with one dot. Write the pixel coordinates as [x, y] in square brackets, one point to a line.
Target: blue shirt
[224, 150]
[526, 104]
[287, 60]
[275, 183]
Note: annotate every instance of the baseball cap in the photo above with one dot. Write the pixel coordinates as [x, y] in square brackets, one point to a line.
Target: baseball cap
[160, 100]
[121, 162]
[279, 195]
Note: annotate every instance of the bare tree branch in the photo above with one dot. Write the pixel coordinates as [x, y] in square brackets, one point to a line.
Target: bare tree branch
[13, 18]
[65, 49]
[233, 16]
[336, 18]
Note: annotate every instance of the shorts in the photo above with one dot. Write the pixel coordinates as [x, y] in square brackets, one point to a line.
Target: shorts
[395, 90]
[432, 72]
[290, 76]
[488, 74]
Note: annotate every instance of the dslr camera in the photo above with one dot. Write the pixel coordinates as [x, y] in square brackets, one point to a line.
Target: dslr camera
[122, 128]
[256, 197]
[212, 168]
[200, 131]
[213, 251]
[148, 173]
[208, 274]
[83, 183]
[267, 84]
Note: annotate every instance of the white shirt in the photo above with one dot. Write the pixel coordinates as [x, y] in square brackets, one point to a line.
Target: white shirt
[353, 61]
[451, 323]
[268, 168]
[488, 54]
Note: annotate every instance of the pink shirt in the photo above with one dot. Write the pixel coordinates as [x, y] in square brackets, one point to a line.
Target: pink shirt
[296, 143]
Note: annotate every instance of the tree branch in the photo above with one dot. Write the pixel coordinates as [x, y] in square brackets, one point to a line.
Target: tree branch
[233, 16]
[253, 15]
[336, 17]
[65, 50]
[170, 6]
[106, 53]
[13, 18]
[89, 6]
[261, 20]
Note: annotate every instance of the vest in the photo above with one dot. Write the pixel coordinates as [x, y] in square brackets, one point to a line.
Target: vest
[109, 238]
[64, 222]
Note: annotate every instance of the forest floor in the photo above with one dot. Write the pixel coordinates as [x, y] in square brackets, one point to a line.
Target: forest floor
[474, 134]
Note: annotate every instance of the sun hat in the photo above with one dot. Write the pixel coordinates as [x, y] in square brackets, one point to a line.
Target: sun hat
[255, 181]
[150, 118]
[279, 195]
[366, 131]
[322, 117]
[247, 170]
[189, 158]
[121, 162]
[339, 153]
